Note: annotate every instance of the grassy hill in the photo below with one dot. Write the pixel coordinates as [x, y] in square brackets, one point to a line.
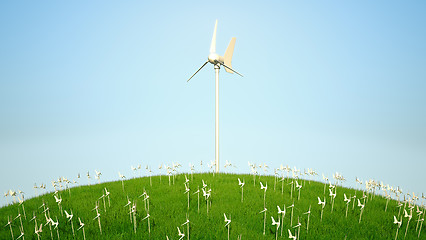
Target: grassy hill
[168, 210]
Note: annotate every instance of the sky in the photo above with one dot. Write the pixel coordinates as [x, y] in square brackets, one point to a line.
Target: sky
[101, 85]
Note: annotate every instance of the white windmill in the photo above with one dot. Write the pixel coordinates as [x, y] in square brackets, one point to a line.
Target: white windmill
[107, 195]
[198, 194]
[22, 233]
[299, 187]
[181, 235]
[309, 214]
[122, 177]
[291, 235]
[362, 209]
[149, 226]
[56, 225]
[264, 219]
[228, 221]
[322, 203]
[82, 227]
[347, 200]
[187, 192]
[242, 188]
[399, 223]
[9, 222]
[282, 212]
[217, 61]
[37, 231]
[291, 216]
[69, 217]
[409, 216]
[98, 215]
[20, 218]
[298, 227]
[264, 187]
[187, 225]
[278, 226]
[332, 197]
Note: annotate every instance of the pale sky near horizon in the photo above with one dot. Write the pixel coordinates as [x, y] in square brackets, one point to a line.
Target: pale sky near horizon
[330, 85]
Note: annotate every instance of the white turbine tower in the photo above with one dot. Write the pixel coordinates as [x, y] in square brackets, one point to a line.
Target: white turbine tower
[217, 61]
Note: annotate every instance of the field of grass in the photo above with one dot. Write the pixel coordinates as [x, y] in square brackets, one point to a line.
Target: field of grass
[168, 210]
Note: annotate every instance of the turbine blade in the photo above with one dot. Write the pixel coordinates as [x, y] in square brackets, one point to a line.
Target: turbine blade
[231, 69]
[197, 71]
[228, 54]
[213, 44]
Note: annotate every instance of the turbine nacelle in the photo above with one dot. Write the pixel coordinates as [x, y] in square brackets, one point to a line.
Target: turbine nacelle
[214, 58]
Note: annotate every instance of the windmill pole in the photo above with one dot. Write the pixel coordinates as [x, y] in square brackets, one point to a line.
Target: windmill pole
[216, 69]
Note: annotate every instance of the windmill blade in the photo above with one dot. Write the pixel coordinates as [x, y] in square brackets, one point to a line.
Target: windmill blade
[228, 54]
[231, 69]
[213, 44]
[197, 71]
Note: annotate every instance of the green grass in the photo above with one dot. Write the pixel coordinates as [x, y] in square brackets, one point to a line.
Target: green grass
[168, 209]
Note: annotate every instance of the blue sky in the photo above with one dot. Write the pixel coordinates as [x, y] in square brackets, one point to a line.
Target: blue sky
[102, 85]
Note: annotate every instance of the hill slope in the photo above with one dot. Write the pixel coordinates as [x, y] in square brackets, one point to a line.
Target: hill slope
[168, 210]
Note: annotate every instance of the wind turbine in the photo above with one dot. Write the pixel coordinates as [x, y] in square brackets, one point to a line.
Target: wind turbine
[191, 167]
[322, 203]
[198, 194]
[298, 227]
[149, 226]
[362, 209]
[409, 219]
[299, 187]
[20, 218]
[282, 212]
[291, 235]
[278, 226]
[59, 201]
[132, 212]
[69, 216]
[37, 231]
[309, 214]
[9, 222]
[187, 192]
[21, 203]
[98, 215]
[187, 225]
[264, 219]
[264, 187]
[217, 61]
[347, 200]
[421, 220]
[332, 197]
[107, 195]
[181, 235]
[206, 195]
[56, 225]
[81, 227]
[419, 215]
[228, 221]
[399, 223]
[242, 188]
[103, 198]
[122, 177]
[21, 229]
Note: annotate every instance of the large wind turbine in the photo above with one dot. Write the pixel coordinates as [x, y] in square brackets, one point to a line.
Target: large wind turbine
[217, 61]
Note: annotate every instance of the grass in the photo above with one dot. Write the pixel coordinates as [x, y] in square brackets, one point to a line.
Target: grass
[168, 209]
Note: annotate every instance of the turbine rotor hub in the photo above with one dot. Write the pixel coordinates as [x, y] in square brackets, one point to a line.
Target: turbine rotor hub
[214, 58]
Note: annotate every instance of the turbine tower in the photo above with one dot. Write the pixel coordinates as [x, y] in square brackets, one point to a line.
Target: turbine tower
[217, 61]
